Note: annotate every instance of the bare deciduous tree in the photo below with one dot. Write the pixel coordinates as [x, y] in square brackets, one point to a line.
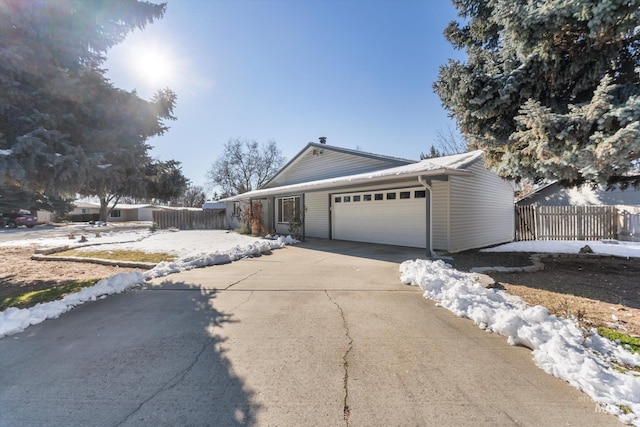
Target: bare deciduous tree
[448, 142]
[245, 165]
[451, 142]
[194, 196]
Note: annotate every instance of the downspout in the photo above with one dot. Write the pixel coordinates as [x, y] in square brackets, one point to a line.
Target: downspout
[428, 187]
[304, 219]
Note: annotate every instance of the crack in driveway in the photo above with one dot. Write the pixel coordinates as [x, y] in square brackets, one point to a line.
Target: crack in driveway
[242, 280]
[242, 303]
[171, 383]
[345, 361]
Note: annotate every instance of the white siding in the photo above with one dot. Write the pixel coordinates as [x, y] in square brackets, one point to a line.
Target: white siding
[145, 214]
[231, 220]
[399, 221]
[329, 164]
[316, 215]
[440, 211]
[481, 210]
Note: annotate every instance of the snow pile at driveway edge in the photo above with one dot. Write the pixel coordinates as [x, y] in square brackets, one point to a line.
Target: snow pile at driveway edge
[205, 259]
[15, 320]
[560, 346]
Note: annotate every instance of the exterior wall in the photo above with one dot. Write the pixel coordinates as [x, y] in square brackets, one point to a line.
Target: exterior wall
[329, 164]
[125, 215]
[231, 219]
[316, 215]
[78, 211]
[146, 214]
[440, 213]
[45, 217]
[481, 210]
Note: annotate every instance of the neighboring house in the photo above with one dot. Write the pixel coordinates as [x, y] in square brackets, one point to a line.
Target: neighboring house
[85, 208]
[120, 213]
[45, 217]
[450, 203]
[556, 195]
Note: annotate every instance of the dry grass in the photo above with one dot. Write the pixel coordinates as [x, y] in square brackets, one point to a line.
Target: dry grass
[119, 255]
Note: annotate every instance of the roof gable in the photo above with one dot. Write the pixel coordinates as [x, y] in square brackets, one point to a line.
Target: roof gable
[321, 161]
[442, 166]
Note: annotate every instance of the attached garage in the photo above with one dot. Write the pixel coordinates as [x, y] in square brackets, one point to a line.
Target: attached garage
[445, 204]
[394, 216]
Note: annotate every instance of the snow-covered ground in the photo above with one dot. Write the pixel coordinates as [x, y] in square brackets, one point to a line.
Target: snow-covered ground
[193, 248]
[601, 247]
[560, 347]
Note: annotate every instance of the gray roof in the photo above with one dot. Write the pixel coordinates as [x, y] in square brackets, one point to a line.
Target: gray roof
[438, 166]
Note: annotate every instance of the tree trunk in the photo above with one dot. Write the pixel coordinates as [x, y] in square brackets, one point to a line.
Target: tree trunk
[104, 209]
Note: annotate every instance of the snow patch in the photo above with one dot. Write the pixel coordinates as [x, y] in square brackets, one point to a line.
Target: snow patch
[198, 249]
[603, 247]
[560, 347]
[14, 320]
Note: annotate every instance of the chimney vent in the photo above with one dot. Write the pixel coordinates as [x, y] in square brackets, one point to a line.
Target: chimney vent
[323, 140]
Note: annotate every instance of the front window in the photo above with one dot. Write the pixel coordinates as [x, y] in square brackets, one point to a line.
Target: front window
[115, 214]
[289, 210]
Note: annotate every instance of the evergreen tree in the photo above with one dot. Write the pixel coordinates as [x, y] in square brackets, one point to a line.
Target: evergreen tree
[550, 89]
[433, 152]
[61, 120]
[165, 181]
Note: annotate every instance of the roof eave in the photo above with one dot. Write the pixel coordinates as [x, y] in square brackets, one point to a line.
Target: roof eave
[346, 183]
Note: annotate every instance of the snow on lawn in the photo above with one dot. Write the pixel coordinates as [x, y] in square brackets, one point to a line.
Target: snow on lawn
[91, 236]
[560, 347]
[194, 249]
[602, 247]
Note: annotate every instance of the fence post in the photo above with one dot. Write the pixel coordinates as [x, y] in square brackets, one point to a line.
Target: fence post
[579, 228]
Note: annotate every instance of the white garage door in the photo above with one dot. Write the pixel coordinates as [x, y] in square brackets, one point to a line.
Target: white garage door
[392, 217]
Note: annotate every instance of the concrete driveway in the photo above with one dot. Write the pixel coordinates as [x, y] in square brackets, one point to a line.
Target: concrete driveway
[320, 334]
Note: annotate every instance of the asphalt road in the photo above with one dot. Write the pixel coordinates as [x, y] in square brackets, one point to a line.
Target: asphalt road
[321, 334]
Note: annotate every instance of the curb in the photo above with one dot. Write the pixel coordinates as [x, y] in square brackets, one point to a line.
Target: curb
[537, 264]
[128, 264]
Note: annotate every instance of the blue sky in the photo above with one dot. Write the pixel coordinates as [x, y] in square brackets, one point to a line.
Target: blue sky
[359, 72]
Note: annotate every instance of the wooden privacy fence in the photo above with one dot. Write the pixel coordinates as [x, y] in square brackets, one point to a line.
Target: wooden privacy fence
[209, 219]
[566, 222]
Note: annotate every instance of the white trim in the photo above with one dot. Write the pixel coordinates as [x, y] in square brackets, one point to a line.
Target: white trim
[450, 165]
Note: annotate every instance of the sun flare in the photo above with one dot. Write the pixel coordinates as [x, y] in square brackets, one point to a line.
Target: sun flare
[155, 66]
